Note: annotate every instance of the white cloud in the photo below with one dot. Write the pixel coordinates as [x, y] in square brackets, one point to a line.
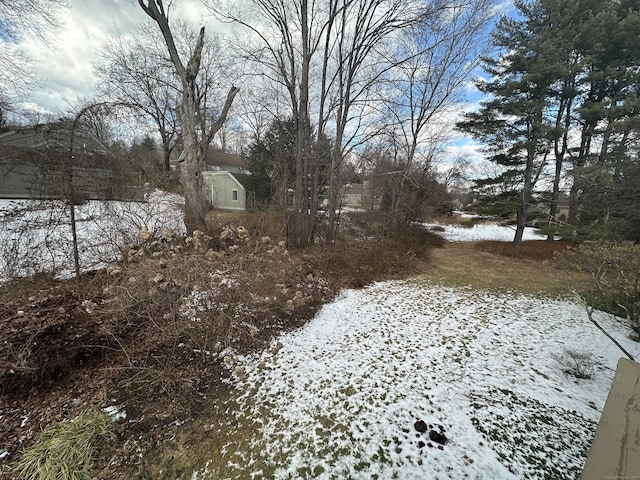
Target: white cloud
[468, 150]
[65, 65]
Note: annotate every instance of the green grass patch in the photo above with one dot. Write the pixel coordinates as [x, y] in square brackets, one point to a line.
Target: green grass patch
[463, 264]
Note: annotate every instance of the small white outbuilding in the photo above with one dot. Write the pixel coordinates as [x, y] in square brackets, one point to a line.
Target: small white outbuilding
[224, 190]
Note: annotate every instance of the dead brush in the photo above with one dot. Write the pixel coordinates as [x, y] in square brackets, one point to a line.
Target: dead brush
[580, 364]
[46, 334]
[530, 249]
[171, 311]
[359, 263]
[143, 311]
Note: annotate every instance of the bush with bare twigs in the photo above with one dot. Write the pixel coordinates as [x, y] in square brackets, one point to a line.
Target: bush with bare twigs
[580, 364]
[374, 224]
[615, 277]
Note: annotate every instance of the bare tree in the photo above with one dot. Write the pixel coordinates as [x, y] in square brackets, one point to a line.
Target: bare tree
[147, 82]
[197, 130]
[361, 30]
[285, 43]
[326, 56]
[435, 58]
[17, 19]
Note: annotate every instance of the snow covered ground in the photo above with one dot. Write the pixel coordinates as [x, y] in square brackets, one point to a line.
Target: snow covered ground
[372, 387]
[482, 231]
[345, 396]
[35, 236]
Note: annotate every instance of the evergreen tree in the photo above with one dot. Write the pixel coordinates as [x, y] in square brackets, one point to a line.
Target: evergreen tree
[564, 89]
[514, 123]
[271, 161]
[608, 121]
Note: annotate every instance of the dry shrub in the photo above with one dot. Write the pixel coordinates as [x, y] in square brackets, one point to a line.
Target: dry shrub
[46, 333]
[267, 222]
[354, 264]
[158, 321]
[530, 249]
[418, 238]
[377, 225]
[368, 224]
[173, 315]
[614, 271]
[580, 364]
[155, 332]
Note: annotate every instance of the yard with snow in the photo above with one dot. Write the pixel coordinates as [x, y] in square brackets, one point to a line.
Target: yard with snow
[35, 236]
[400, 380]
[409, 379]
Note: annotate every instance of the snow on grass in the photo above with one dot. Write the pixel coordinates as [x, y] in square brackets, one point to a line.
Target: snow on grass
[35, 236]
[341, 397]
[482, 231]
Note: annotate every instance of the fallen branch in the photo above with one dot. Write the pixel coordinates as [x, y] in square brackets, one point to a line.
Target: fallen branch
[589, 309]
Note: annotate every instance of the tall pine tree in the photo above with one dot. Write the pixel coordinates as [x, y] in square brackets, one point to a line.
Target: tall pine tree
[564, 89]
[514, 123]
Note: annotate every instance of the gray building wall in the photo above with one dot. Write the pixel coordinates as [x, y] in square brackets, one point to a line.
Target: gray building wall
[58, 181]
[219, 189]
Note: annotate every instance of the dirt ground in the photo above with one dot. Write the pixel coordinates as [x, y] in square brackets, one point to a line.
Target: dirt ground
[149, 335]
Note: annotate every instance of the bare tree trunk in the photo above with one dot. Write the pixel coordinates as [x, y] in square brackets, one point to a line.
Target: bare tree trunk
[300, 231]
[555, 195]
[195, 143]
[521, 217]
[525, 196]
[166, 160]
[560, 146]
[195, 208]
[334, 186]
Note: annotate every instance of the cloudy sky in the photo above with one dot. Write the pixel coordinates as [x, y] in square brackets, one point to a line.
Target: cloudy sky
[65, 66]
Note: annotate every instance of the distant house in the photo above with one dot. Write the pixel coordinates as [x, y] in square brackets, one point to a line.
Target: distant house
[51, 137]
[220, 161]
[36, 162]
[358, 195]
[350, 195]
[224, 180]
[224, 190]
[542, 215]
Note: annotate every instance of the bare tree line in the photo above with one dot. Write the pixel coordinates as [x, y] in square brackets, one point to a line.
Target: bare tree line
[345, 71]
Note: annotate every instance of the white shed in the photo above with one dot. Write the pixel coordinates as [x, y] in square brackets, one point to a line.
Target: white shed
[224, 191]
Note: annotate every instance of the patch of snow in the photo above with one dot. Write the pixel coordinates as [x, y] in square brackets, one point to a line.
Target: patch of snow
[115, 413]
[35, 236]
[462, 214]
[481, 231]
[25, 420]
[340, 397]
